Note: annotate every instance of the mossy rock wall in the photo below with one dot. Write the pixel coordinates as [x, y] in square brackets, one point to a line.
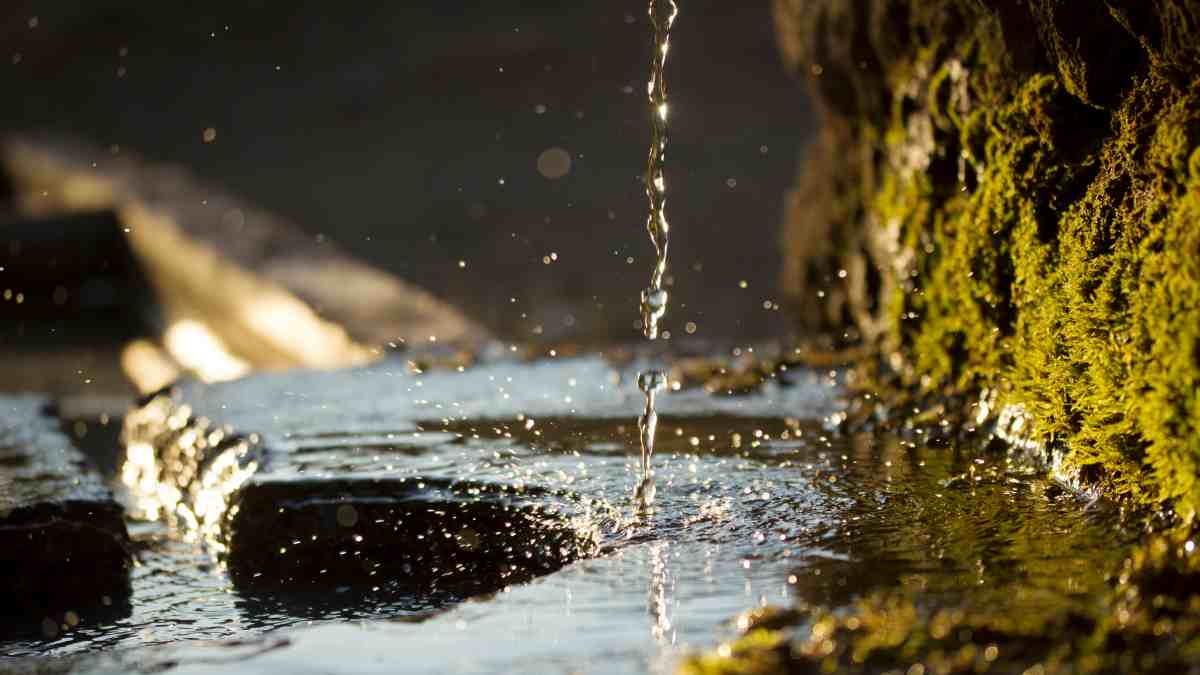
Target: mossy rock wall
[1005, 197]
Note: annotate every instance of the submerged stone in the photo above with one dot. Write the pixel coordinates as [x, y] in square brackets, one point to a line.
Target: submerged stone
[63, 543]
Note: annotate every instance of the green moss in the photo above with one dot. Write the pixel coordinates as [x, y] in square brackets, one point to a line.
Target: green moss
[759, 651]
[1032, 210]
[1148, 621]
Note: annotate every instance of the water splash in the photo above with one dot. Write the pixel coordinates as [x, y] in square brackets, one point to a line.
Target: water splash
[654, 297]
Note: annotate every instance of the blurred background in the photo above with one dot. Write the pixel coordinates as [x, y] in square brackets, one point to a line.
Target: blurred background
[489, 154]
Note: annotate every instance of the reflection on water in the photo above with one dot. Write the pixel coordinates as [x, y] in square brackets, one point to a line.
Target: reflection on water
[661, 594]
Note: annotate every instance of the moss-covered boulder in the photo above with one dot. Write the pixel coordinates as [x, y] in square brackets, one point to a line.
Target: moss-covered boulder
[1005, 197]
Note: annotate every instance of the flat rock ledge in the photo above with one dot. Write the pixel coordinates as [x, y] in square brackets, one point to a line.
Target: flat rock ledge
[277, 524]
[63, 543]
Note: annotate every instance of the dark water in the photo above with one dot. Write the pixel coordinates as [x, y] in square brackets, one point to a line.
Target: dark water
[759, 502]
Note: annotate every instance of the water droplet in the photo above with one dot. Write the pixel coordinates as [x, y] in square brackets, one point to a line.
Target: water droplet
[652, 380]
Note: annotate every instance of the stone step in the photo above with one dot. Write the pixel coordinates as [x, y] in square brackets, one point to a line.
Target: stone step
[373, 476]
[309, 495]
[63, 543]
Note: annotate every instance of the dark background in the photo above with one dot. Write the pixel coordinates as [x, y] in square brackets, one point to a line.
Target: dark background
[388, 128]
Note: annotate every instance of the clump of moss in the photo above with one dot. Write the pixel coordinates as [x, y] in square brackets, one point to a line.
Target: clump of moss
[1149, 622]
[1016, 205]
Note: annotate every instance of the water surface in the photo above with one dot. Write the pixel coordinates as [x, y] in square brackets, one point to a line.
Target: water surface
[759, 501]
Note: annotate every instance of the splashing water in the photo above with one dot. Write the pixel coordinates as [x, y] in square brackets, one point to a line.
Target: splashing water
[654, 297]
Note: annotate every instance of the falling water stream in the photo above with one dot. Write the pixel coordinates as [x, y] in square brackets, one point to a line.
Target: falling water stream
[654, 297]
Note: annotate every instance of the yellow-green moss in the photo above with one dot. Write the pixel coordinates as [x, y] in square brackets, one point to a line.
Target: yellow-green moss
[1028, 196]
[759, 652]
[1148, 621]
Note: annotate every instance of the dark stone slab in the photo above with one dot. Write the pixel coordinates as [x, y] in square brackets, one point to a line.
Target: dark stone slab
[63, 543]
[414, 535]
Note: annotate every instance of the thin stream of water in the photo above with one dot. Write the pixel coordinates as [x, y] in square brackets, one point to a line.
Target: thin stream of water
[654, 297]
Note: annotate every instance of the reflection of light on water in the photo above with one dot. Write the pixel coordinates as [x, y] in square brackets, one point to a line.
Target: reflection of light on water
[198, 349]
[662, 586]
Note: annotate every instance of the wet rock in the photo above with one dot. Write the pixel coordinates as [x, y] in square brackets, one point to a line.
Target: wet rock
[298, 493]
[369, 476]
[1004, 198]
[263, 291]
[63, 543]
[411, 535]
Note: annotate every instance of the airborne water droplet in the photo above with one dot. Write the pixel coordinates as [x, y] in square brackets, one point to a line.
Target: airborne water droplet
[652, 381]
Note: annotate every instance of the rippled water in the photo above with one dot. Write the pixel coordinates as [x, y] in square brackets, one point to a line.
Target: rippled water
[758, 503]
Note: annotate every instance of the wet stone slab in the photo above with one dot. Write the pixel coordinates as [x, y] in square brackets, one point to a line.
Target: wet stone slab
[408, 535]
[759, 503]
[63, 542]
[278, 526]
[375, 478]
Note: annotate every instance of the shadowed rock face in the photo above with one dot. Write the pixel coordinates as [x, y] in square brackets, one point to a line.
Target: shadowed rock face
[1006, 197]
[63, 543]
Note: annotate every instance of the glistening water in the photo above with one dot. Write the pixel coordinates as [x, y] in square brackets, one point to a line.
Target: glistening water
[653, 302]
[759, 502]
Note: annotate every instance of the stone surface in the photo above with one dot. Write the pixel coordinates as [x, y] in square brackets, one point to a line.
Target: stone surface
[63, 543]
[1006, 198]
[361, 477]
